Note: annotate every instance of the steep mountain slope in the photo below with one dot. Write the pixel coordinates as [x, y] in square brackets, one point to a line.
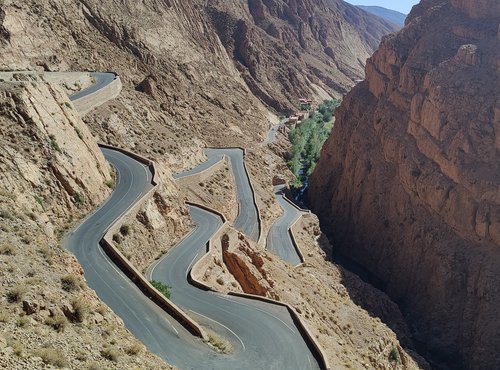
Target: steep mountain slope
[408, 184]
[387, 14]
[181, 92]
[51, 173]
[287, 49]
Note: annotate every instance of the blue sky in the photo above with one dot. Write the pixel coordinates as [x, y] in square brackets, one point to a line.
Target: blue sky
[403, 6]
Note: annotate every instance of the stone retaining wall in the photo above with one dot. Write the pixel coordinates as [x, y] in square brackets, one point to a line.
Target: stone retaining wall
[87, 103]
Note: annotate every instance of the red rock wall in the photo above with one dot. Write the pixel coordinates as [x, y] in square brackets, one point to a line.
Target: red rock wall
[408, 184]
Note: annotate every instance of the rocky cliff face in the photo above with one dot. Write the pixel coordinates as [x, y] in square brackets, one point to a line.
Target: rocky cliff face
[51, 173]
[408, 184]
[287, 49]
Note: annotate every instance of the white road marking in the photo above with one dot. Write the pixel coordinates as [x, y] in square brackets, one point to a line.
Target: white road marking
[191, 264]
[258, 309]
[224, 326]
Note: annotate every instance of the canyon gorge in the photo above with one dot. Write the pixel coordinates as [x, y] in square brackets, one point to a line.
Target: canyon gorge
[408, 184]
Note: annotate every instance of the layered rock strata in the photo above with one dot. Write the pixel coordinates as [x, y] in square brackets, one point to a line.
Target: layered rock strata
[408, 184]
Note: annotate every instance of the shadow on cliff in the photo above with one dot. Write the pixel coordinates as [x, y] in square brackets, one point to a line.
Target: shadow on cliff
[366, 290]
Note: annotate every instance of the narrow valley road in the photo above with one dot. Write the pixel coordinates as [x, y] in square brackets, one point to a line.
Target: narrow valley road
[263, 335]
[278, 240]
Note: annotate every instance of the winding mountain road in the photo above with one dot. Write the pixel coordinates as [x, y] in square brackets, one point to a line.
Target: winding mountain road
[278, 240]
[263, 335]
[247, 220]
[271, 134]
[101, 80]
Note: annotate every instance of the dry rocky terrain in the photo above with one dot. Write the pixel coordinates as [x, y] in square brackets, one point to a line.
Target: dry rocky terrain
[324, 42]
[52, 174]
[408, 185]
[183, 89]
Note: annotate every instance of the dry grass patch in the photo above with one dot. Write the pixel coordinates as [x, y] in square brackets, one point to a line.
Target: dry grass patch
[111, 353]
[51, 356]
[16, 294]
[18, 348]
[70, 283]
[80, 309]
[58, 322]
[134, 349]
[7, 250]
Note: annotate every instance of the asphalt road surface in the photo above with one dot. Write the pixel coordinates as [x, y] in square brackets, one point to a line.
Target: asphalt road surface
[278, 240]
[247, 219]
[101, 80]
[263, 335]
[271, 134]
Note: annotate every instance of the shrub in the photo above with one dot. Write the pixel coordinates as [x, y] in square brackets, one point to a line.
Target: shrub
[7, 250]
[22, 321]
[4, 316]
[394, 355]
[6, 215]
[79, 133]
[110, 184]
[125, 230]
[54, 144]
[80, 309]
[134, 349]
[162, 288]
[57, 322]
[40, 201]
[51, 356]
[16, 294]
[117, 238]
[110, 353]
[46, 253]
[70, 283]
[18, 348]
[79, 199]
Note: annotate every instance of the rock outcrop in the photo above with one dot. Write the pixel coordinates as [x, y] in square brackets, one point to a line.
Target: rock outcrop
[51, 174]
[408, 184]
[287, 49]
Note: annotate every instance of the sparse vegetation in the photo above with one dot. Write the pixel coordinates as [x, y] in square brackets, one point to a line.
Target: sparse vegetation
[162, 288]
[394, 355]
[308, 138]
[111, 354]
[70, 283]
[51, 356]
[16, 294]
[54, 144]
[219, 344]
[80, 309]
[57, 322]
